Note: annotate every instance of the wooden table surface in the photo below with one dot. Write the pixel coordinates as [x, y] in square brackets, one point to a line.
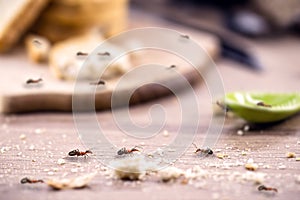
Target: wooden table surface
[50, 136]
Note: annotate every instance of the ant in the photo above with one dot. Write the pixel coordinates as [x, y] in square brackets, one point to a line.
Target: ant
[79, 53]
[263, 104]
[34, 81]
[27, 180]
[124, 151]
[104, 54]
[100, 82]
[171, 67]
[263, 187]
[206, 151]
[37, 43]
[77, 153]
[185, 36]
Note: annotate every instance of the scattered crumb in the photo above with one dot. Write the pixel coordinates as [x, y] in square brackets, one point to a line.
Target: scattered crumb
[281, 167]
[74, 170]
[221, 155]
[287, 146]
[251, 166]
[290, 155]
[298, 179]
[50, 173]
[298, 159]
[170, 173]
[246, 128]
[74, 183]
[31, 147]
[22, 137]
[61, 161]
[240, 132]
[132, 168]
[166, 133]
[243, 153]
[39, 131]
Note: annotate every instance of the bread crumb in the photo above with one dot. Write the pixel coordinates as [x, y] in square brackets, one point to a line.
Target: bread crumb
[22, 137]
[246, 128]
[61, 161]
[240, 132]
[73, 183]
[166, 133]
[39, 131]
[170, 173]
[221, 155]
[132, 167]
[281, 167]
[251, 166]
[37, 48]
[290, 155]
[298, 159]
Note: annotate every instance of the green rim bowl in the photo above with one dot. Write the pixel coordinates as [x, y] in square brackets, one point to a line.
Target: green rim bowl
[263, 107]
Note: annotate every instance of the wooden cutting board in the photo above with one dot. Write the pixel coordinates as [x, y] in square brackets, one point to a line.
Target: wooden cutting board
[56, 95]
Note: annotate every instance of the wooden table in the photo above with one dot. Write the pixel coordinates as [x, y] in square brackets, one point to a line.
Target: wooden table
[50, 136]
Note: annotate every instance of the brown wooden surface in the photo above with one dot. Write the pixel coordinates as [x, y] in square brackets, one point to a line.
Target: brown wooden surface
[225, 178]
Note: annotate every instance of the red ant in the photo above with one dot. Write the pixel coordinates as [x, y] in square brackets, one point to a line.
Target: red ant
[124, 151]
[262, 187]
[206, 151]
[100, 82]
[31, 81]
[104, 54]
[171, 67]
[185, 36]
[79, 53]
[77, 153]
[27, 180]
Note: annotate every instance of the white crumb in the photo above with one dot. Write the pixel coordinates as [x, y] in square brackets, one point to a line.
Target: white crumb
[22, 137]
[61, 161]
[240, 132]
[166, 133]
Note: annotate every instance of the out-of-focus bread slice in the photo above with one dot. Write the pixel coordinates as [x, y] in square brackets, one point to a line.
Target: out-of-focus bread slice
[37, 48]
[67, 18]
[16, 16]
[66, 64]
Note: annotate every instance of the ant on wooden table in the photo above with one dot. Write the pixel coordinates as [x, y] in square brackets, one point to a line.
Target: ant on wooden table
[27, 180]
[205, 151]
[77, 153]
[124, 151]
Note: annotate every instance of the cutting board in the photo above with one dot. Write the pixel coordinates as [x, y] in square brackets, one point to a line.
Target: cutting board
[56, 95]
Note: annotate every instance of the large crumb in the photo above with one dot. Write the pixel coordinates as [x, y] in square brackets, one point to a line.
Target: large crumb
[170, 173]
[132, 167]
[74, 183]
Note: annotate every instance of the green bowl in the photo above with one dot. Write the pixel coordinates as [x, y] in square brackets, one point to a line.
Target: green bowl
[263, 107]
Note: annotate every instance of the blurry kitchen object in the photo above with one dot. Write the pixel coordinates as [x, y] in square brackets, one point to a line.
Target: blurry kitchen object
[262, 107]
[57, 20]
[16, 17]
[204, 19]
[65, 18]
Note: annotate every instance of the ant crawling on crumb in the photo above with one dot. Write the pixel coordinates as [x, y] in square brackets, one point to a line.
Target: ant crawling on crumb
[263, 187]
[205, 151]
[124, 151]
[77, 153]
[34, 81]
[27, 180]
